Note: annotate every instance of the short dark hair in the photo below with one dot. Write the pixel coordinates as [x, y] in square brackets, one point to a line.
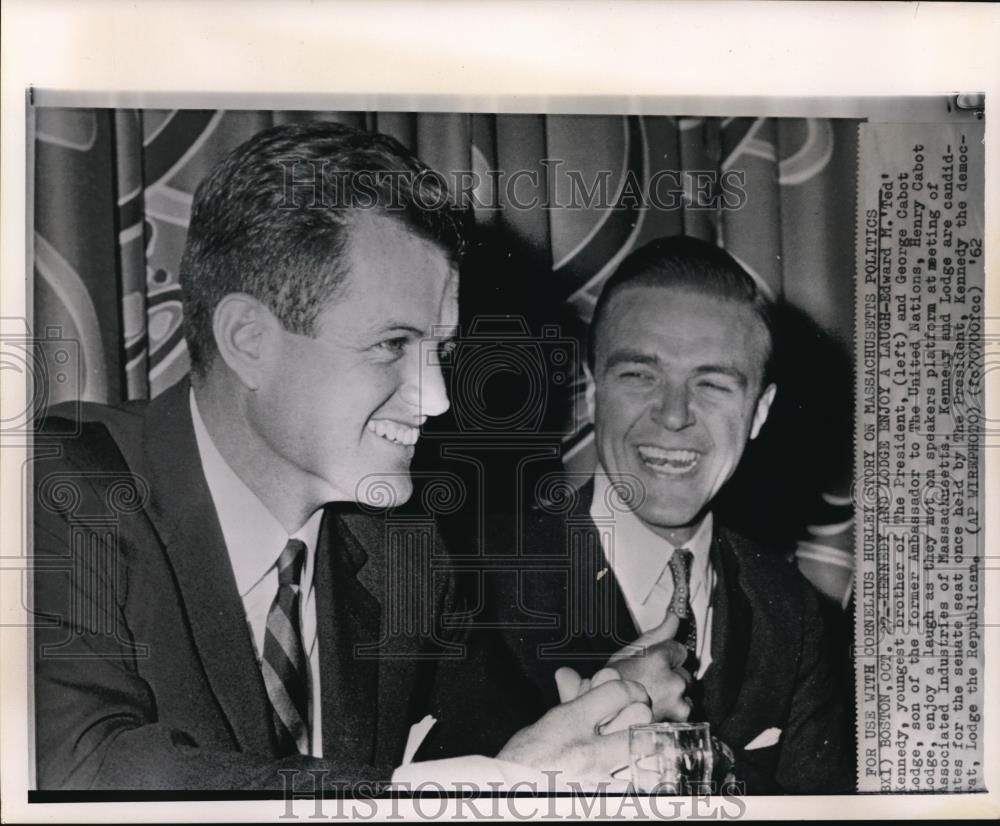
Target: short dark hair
[680, 262]
[253, 232]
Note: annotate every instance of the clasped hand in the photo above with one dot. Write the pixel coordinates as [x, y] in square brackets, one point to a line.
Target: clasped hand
[655, 661]
[586, 735]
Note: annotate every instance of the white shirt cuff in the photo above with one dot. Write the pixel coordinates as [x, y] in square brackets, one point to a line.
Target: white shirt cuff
[481, 773]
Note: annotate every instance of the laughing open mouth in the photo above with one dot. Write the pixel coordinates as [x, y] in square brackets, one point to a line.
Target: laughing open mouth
[395, 432]
[668, 460]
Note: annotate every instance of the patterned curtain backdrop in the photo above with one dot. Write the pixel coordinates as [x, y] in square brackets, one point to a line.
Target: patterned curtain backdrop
[113, 191]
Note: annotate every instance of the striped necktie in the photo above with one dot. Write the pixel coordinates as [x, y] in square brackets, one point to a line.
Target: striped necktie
[284, 661]
[680, 602]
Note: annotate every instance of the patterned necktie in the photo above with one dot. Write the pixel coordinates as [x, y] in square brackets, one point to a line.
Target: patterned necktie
[284, 661]
[680, 602]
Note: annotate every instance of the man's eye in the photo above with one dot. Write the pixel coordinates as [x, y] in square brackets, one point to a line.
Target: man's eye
[394, 345]
[715, 386]
[635, 375]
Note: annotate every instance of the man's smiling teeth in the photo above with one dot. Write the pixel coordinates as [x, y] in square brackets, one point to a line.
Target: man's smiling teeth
[397, 432]
[673, 460]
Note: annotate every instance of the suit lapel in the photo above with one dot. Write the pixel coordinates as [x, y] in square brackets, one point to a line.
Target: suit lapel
[596, 590]
[181, 508]
[730, 623]
[732, 615]
[348, 618]
[731, 618]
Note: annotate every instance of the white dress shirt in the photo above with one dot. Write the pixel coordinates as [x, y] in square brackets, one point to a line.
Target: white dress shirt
[640, 560]
[254, 540]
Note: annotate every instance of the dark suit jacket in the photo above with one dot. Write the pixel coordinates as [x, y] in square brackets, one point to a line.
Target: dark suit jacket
[145, 672]
[556, 603]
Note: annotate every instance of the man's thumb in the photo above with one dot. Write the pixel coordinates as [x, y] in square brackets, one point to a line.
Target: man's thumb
[664, 631]
[568, 684]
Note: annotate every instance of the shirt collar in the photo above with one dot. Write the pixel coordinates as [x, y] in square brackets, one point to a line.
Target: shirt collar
[254, 537]
[640, 555]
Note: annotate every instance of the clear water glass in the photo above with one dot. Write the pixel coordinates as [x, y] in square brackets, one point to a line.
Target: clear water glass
[670, 758]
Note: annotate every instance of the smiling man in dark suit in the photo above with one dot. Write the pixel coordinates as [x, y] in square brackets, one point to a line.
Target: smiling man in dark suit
[634, 567]
[213, 606]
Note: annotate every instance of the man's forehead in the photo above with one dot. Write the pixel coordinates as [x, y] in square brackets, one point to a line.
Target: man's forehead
[371, 306]
[372, 233]
[395, 279]
[645, 301]
[681, 319]
[447, 321]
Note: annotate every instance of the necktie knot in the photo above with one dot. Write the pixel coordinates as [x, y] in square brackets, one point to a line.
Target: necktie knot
[290, 562]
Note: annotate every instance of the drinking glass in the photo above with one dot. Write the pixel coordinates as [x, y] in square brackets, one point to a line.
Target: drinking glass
[670, 758]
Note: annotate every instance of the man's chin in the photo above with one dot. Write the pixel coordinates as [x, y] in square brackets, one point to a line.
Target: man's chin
[669, 520]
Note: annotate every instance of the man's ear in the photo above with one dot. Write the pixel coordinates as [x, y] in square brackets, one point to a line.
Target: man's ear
[590, 391]
[244, 328]
[763, 408]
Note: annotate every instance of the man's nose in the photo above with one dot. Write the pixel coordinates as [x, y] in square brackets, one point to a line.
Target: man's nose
[673, 409]
[425, 388]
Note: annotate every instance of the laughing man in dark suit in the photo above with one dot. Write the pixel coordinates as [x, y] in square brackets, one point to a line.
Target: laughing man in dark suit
[635, 568]
[213, 607]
